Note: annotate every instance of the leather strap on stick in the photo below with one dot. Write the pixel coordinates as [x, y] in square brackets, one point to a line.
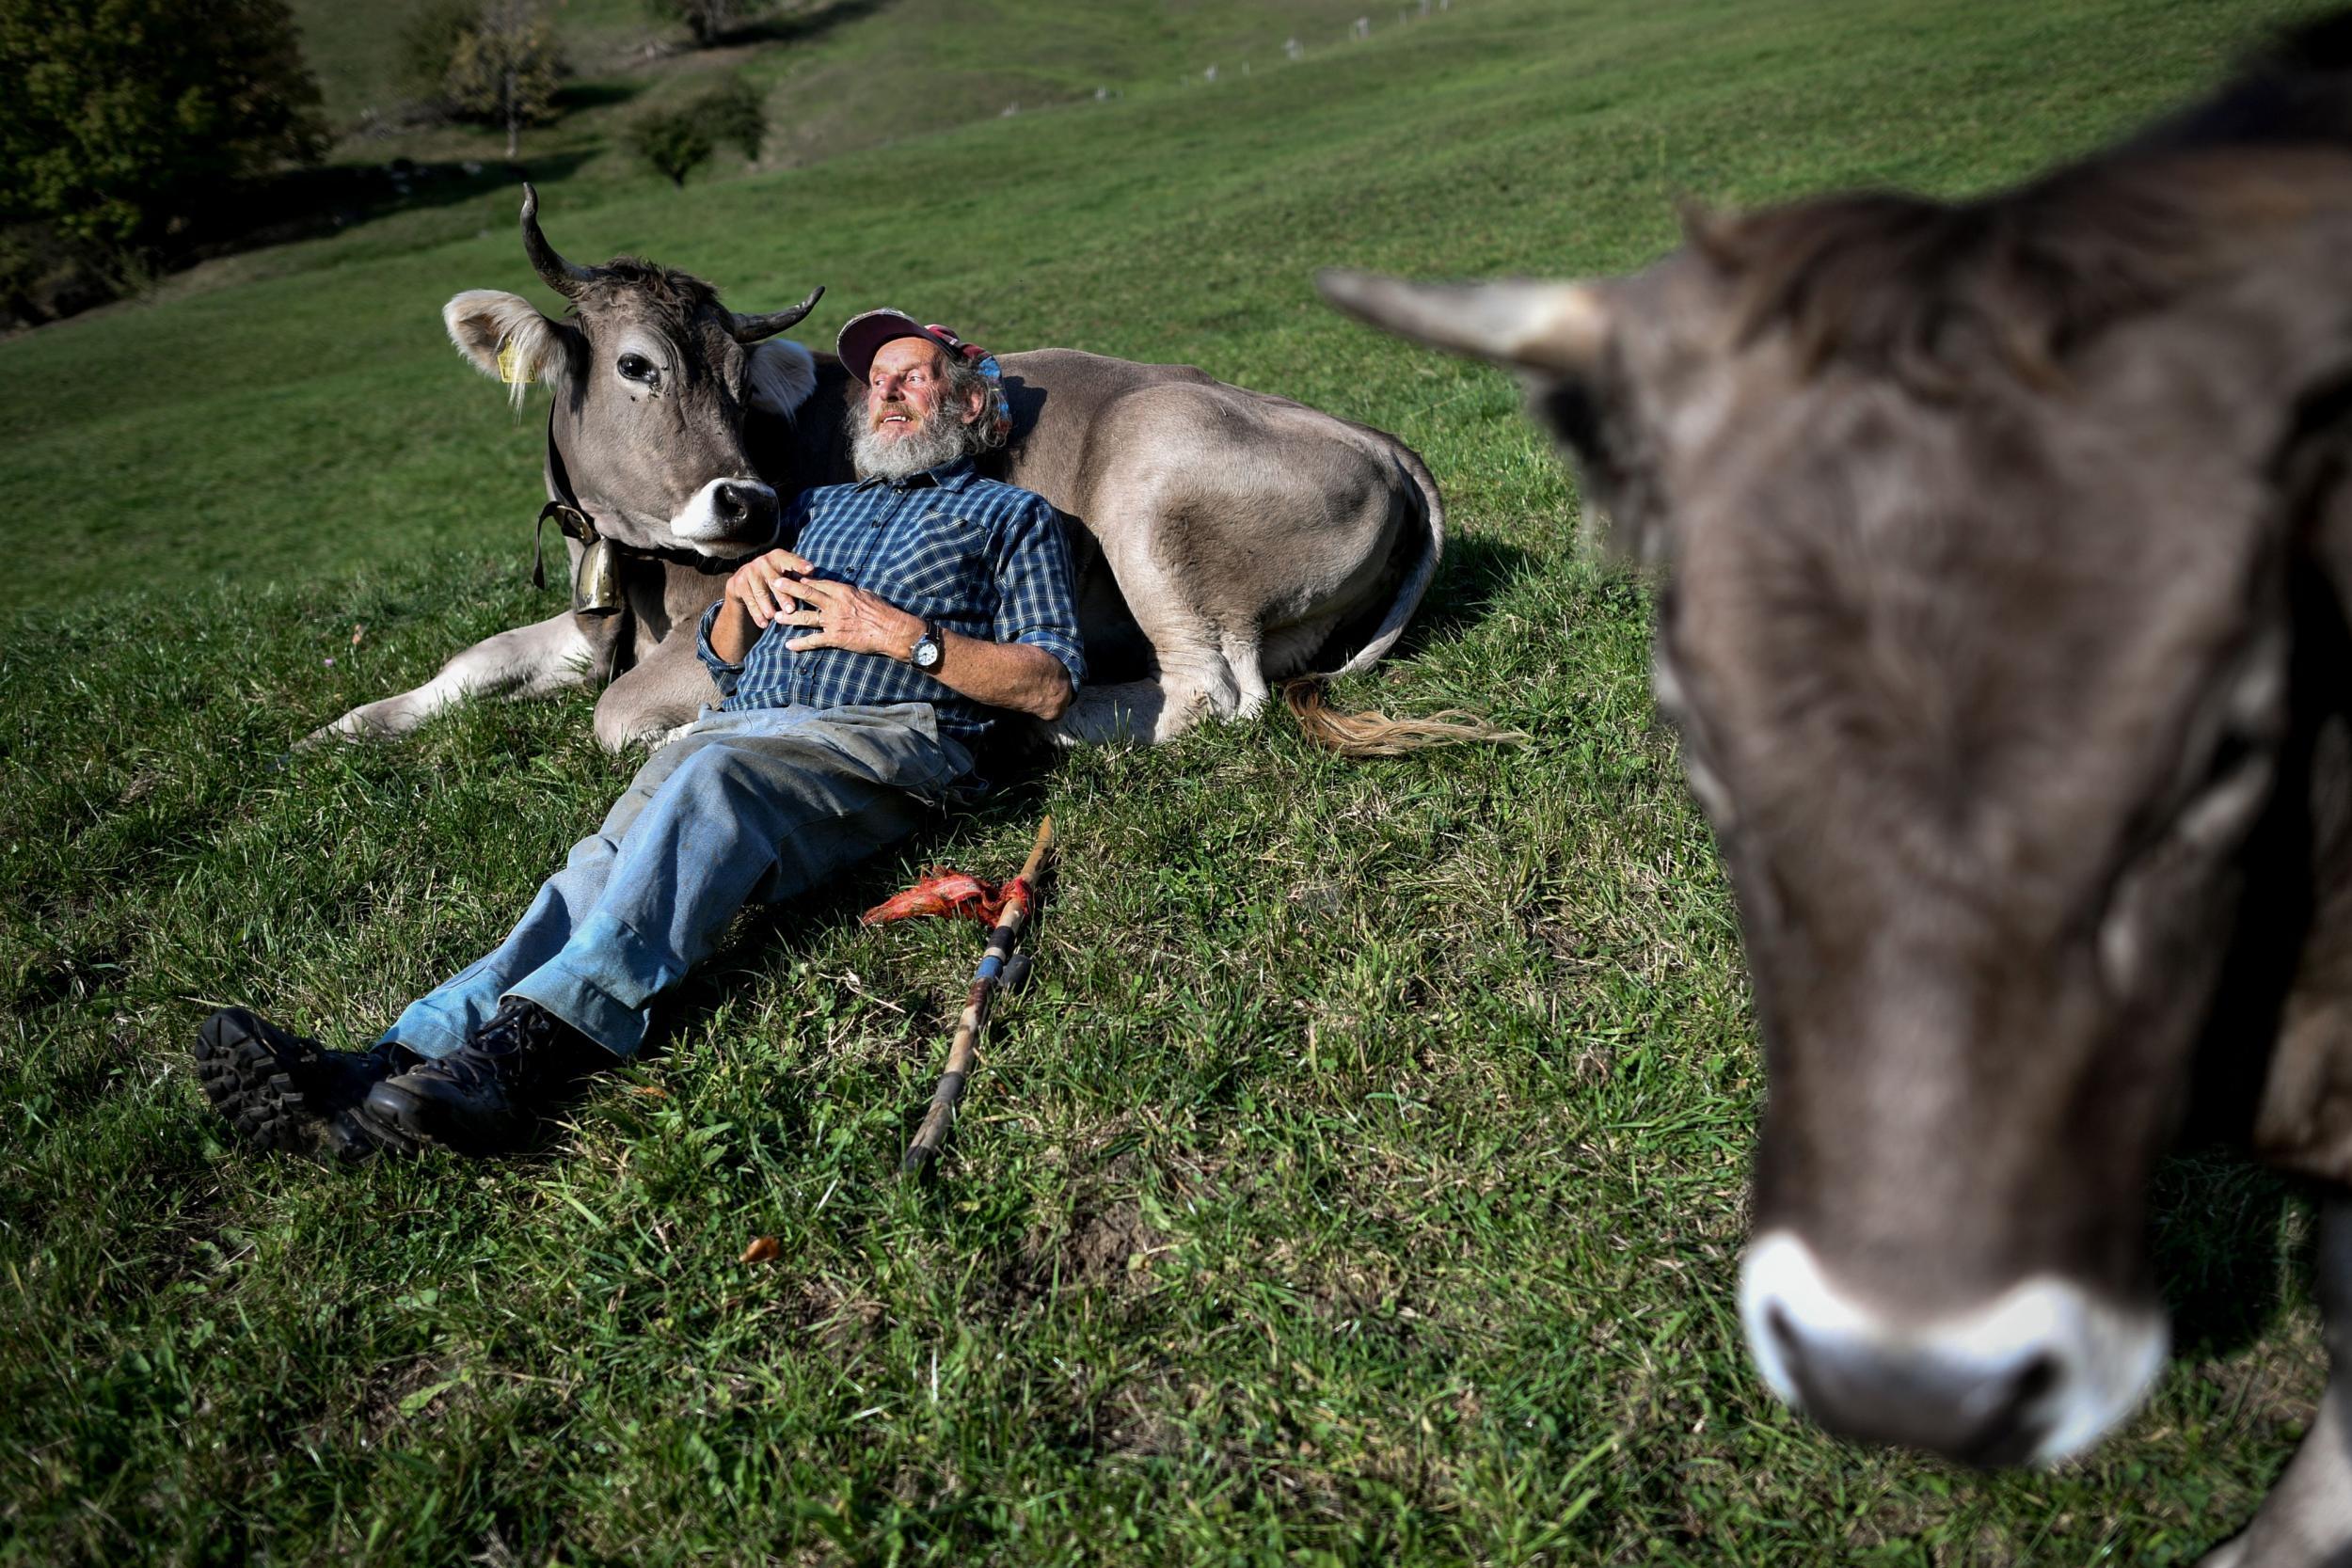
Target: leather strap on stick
[986, 980]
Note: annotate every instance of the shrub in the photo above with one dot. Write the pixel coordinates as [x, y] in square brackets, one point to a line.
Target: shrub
[429, 40]
[677, 141]
[707, 20]
[673, 141]
[736, 112]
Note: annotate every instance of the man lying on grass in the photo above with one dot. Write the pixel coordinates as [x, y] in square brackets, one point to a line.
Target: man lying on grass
[857, 670]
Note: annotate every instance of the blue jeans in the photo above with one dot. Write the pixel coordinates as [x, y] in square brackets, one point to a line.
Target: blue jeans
[749, 807]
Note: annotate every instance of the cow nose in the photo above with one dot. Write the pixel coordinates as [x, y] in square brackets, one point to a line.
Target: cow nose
[2038, 1372]
[1947, 1404]
[726, 516]
[744, 509]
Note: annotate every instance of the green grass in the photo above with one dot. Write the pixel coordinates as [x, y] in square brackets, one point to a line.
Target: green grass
[1362, 1179]
[838, 74]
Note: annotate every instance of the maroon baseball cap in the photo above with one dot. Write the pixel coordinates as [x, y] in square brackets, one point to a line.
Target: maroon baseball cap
[862, 338]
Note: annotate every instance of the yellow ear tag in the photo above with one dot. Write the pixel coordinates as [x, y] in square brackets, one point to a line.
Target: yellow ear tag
[511, 365]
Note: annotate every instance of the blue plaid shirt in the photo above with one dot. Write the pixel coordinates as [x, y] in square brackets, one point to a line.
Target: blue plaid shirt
[979, 557]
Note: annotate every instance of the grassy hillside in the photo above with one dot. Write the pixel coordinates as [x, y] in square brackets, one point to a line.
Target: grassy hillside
[838, 73]
[1362, 1179]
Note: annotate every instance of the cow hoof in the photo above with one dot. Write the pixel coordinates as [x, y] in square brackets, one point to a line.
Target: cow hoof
[321, 736]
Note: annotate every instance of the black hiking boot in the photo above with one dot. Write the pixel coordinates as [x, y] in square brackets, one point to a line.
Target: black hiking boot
[281, 1091]
[485, 1096]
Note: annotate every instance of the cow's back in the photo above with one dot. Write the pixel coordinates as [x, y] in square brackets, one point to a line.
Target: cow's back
[1270, 512]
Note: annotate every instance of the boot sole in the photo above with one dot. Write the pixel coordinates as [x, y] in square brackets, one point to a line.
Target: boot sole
[257, 1094]
[252, 1090]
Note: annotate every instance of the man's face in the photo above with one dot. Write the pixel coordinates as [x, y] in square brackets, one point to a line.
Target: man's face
[905, 387]
[910, 425]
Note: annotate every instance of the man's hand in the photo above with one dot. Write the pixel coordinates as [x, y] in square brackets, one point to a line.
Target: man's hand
[759, 592]
[773, 588]
[764, 585]
[847, 617]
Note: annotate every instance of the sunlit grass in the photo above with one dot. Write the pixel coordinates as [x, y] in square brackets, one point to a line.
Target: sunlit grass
[1362, 1178]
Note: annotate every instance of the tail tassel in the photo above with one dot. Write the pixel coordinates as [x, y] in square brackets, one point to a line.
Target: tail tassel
[1373, 733]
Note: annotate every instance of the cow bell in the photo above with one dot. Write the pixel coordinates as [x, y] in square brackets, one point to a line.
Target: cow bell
[596, 580]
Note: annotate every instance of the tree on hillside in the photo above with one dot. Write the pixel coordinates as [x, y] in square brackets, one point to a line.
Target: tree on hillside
[707, 20]
[677, 141]
[123, 119]
[494, 60]
[429, 39]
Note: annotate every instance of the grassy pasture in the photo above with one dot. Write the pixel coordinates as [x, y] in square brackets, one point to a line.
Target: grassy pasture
[1361, 1179]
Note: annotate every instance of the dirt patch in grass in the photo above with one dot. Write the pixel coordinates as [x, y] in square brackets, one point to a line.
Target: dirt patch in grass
[2273, 1390]
[424, 1389]
[1104, 1244]
[837, 1319]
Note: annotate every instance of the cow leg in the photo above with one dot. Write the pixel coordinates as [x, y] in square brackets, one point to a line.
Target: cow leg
[2306, 1522]
[1251, 691]
[1194, 682]
[528, 662]
[666, 688]
[1197, 674]
[1099, 715]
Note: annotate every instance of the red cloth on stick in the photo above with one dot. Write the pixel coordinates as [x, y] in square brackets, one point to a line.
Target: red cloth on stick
[945, 891]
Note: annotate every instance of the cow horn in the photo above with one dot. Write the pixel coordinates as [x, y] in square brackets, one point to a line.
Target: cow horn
[556, 273]
[1561, 328]
[751, 329]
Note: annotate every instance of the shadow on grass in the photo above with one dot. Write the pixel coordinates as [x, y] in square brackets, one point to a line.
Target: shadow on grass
[604, 93]
[1472, 578]
[799, 26]
[2215, 1245]
[311, 203]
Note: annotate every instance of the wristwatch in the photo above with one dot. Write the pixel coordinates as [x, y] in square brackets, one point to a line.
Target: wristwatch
[929, 648]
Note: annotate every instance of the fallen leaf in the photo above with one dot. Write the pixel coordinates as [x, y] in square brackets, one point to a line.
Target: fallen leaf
[649, 1091]
[762, 1250]
[423, 1396]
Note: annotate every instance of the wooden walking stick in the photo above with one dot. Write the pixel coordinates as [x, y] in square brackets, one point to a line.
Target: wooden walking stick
[986, 981]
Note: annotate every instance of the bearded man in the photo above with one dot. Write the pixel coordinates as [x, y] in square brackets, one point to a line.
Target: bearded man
[857, 668]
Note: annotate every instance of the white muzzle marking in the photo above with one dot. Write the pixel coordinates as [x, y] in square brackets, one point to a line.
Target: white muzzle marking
[2104, 1358]
[698, 523]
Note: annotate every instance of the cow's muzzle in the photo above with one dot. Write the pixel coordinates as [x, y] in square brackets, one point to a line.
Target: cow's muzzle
[728, 515]
[2040, 1372]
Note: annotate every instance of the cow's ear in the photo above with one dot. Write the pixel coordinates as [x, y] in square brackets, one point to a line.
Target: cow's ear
[1549, 329]
[783, 374]
[2305, 1119]
[1556, 336]
[507, 338]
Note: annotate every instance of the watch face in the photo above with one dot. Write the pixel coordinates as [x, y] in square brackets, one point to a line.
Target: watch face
[926, 652]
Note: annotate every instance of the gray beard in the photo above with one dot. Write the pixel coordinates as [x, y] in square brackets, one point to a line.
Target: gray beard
[941, 438]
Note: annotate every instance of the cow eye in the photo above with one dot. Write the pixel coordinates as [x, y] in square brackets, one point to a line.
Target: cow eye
[636, 367]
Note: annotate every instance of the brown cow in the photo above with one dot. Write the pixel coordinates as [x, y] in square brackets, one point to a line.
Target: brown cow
[2006, 552]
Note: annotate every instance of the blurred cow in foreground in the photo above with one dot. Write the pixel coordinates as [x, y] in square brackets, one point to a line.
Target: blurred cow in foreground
[1223, 539]
[2006, 551]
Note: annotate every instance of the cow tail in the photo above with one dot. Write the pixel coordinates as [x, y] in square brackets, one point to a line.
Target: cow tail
[1371, 733]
